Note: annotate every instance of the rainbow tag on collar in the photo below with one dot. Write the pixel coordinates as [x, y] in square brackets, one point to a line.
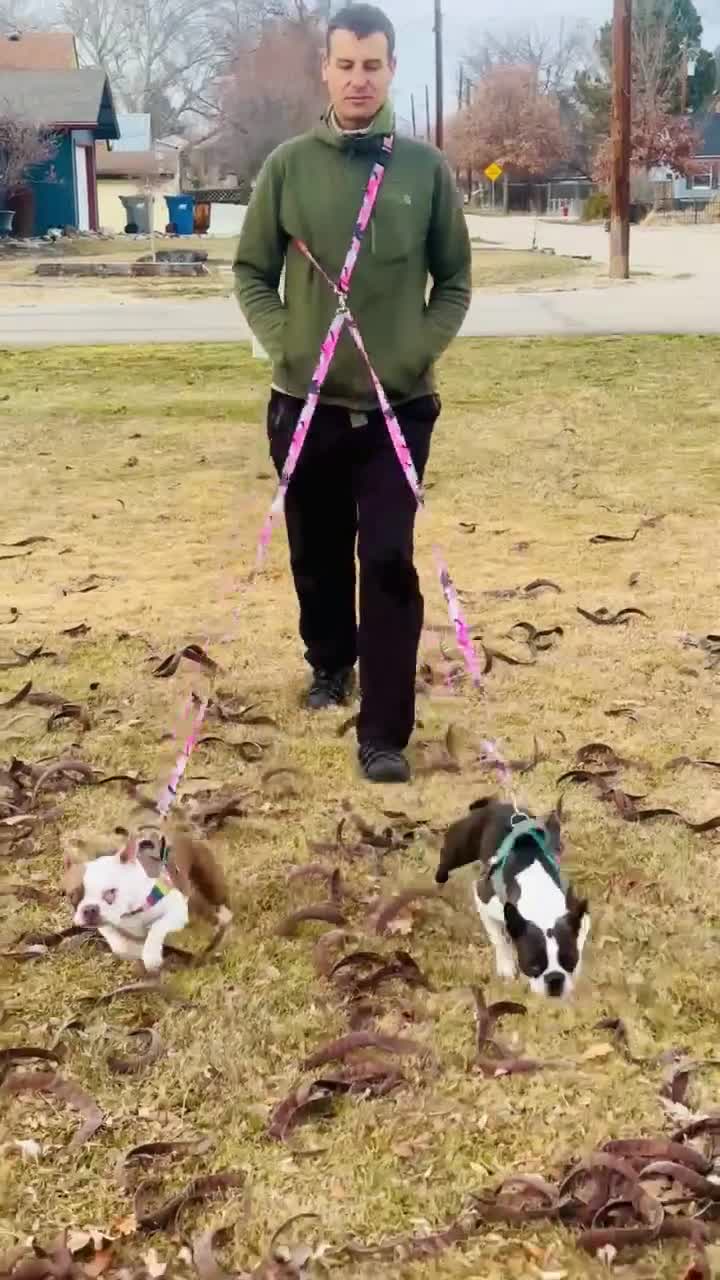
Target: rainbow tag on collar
[159, 891]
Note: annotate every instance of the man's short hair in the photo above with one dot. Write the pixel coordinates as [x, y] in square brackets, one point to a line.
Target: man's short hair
[363, 20]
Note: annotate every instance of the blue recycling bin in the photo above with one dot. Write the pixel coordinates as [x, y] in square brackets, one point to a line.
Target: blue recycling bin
[181, 211]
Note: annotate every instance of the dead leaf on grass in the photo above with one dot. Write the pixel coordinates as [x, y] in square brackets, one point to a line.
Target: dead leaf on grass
[27, 542]
[91, 583]
[25, 1053]
[316, 871]
[199, 1190]
[603, 618]
[70, 711]
[81, 629]
[325, 911]
[338, 1050]
[193, 652]
[146, 986]
[599, 538]
[387, 912]
[326, 946]
[67, 1091]
[131, 1064]
[250, 752]
[304, 1101]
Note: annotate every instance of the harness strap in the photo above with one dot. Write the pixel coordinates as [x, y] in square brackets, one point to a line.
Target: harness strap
[527, 827]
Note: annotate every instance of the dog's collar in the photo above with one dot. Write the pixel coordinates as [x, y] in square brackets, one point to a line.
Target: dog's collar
[525, 827]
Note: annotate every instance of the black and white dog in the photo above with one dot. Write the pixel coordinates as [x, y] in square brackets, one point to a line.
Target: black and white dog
[533, 919]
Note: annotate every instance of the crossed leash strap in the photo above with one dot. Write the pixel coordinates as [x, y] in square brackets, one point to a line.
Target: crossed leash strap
[343, 317]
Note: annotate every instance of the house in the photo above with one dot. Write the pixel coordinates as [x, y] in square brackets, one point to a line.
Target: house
[703, 185]
[131, 167]
[76, 106]
[38, 51]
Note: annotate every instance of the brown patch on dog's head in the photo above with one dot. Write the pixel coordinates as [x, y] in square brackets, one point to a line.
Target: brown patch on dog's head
[72, 877]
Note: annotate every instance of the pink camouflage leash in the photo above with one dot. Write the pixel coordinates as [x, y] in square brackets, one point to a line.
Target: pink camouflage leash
[344, 317]
[329, 346]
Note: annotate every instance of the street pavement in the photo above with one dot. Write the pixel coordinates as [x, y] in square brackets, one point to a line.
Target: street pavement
[682, 296]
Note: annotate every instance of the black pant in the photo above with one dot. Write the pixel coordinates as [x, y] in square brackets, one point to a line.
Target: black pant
[349, 485]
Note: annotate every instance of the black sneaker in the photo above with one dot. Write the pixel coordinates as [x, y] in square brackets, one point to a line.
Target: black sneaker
[383, 764]
[330, 689]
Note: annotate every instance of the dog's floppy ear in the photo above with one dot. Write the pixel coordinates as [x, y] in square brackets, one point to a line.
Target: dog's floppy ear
[128, 853]
[576, 909]
[515, 923]
[482, 803]
[461, 845]
[554, 830]
[73, 873]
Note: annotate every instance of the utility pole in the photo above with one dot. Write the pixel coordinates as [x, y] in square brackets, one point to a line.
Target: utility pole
[468, 104]
[439, 95]
[461, 72]
[412, 114]
[427, 112]
[620, 140]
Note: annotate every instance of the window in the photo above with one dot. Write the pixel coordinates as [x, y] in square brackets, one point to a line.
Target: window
[700, 181]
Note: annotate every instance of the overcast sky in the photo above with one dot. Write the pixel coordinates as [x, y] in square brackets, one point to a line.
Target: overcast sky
[414, 20]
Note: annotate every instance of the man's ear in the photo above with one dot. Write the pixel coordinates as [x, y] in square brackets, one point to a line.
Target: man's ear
[576, 909]
[514, 922]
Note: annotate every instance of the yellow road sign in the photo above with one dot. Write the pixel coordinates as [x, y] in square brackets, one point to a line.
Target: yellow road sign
[493, 171]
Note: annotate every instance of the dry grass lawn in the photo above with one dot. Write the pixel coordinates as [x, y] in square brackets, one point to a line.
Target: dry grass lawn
[148, 468]
[492, 269]
[516, 268]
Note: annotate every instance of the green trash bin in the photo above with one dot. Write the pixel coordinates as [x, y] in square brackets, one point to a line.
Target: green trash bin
[137, 211]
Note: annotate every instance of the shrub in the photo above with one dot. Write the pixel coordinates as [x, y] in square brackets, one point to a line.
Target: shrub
[596, 207]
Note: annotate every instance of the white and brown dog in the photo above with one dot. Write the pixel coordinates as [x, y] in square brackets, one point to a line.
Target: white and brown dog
[533, 919]
[146, 890]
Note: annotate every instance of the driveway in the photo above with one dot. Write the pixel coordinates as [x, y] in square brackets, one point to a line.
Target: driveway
[663, 250]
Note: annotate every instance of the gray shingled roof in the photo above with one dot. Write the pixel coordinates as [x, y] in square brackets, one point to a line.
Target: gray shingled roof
[48, 98]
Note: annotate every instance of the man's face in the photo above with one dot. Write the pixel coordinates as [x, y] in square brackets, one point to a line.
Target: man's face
[358, 74]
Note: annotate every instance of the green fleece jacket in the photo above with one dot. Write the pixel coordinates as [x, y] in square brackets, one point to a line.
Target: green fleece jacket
[311, 188]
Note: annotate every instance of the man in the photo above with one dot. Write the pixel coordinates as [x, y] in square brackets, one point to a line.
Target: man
[348, 484]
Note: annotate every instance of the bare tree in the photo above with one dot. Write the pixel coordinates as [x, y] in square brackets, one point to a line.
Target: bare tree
[159, 54]
[554, 51]
[18, 15]
[22, 147]
[272, 92]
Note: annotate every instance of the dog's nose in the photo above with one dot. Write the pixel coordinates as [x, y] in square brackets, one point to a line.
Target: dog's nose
[91, 915]
[555, 984]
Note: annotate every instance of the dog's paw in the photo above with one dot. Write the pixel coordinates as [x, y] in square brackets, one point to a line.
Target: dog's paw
[505, 965]
[152, 960]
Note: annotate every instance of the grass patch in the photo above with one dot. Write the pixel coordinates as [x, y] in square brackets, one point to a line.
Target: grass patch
[541, 445]
[496, 268]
